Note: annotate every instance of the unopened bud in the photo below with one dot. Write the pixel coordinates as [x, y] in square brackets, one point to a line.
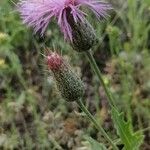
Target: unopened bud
[68, 83]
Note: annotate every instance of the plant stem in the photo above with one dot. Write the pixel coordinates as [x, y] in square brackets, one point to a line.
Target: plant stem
[99, 74]
[93, 120]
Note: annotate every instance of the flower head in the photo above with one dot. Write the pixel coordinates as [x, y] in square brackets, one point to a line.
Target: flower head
[38, 13]
[68, 83]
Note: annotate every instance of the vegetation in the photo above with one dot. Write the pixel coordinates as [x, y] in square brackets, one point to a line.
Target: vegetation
[32, 113]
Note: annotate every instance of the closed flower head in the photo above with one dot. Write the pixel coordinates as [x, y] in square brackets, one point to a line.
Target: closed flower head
[38, 13]
[68, 83]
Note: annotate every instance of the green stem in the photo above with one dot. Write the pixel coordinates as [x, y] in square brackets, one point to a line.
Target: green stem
[99, 74]
[99, 127]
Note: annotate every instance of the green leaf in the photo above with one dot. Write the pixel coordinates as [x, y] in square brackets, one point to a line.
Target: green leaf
[94, 144]
[131, 140]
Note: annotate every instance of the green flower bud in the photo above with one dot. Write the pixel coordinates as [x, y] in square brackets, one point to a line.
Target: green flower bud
[83, 35]
[68, 83]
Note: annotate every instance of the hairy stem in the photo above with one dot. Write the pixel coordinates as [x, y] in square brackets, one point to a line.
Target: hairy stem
[99, 74]
[99, 127]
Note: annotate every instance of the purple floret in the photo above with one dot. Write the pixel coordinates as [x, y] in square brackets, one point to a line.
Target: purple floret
[38, 13]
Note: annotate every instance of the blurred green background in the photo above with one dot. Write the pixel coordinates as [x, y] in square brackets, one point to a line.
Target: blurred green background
[32, 113]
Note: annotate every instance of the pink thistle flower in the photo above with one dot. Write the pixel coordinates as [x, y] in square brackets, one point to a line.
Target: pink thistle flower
[54, 61]
[38, 13]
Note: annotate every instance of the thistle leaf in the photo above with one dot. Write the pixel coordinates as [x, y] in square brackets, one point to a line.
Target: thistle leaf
[131, 140]
[95, 145]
